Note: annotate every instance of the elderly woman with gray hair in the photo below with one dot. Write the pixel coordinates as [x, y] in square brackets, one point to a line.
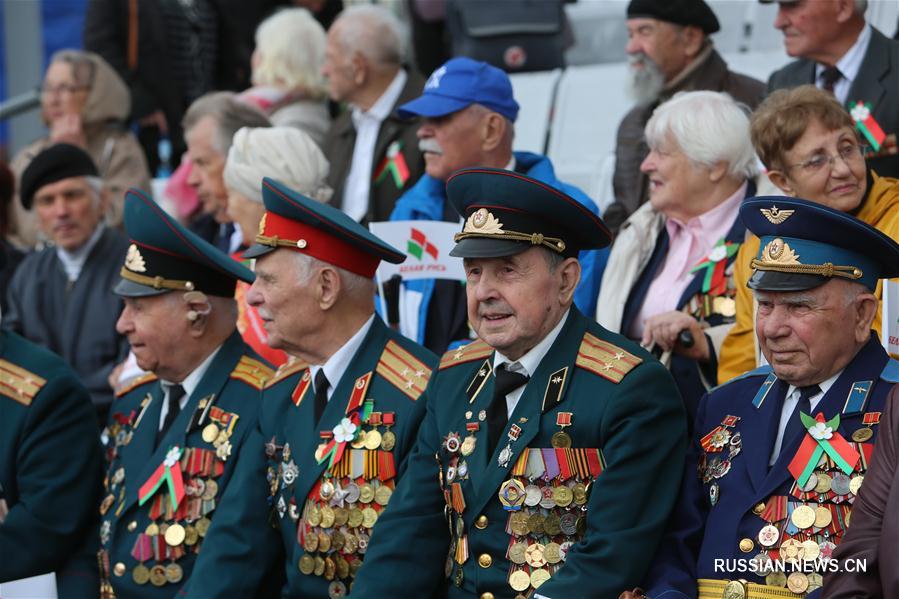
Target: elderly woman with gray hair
[287, 155]
[668, 283]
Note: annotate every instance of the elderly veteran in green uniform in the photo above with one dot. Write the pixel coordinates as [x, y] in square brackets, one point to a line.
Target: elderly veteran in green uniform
[337, 424]
[780, 453]
[50, 469]
[174, 433]
[551, 450]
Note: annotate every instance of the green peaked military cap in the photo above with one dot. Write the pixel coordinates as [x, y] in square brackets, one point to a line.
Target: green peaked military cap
[165, 256]
[506, 213]
[295, 222]
[805, 244]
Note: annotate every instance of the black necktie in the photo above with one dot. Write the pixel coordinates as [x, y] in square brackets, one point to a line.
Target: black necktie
[176, 392]
[794, 424]
[497, 413]
[829, 78]
[226, 230]
[321, 394]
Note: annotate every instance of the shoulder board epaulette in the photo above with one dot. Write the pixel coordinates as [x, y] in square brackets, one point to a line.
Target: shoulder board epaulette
[252, 372]
[891, 371]
[286, 370]
[135, 383]
[605, 359]
[19, 384]
[763, 370]
[403, 370]
[476, 350]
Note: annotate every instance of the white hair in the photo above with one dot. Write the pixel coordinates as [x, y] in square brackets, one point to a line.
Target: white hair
[708, 127]
[374, 32]
[291, 51]
[353, 285]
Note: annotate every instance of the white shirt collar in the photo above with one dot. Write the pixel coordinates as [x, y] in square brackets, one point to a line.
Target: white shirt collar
[340, 360]
[380, 110]
[849, 64]
[530, 361]
[73, 262]
[189, 384]
[823, 385]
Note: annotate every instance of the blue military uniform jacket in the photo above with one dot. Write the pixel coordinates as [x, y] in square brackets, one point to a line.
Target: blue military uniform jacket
[577, 521]
[729, 494]
[148, 550]
[50, 470]
[323, 513]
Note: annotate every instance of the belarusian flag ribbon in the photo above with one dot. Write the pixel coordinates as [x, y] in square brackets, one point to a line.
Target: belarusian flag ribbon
[714, 282]
[393, 163]
[823, 437]
[865, 123]
[169, 472]
[347, 430]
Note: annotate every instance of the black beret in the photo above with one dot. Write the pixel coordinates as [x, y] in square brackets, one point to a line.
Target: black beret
[54, 164]
[680, 12]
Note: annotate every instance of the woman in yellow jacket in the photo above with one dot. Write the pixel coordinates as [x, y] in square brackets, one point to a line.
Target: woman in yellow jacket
[812, 150]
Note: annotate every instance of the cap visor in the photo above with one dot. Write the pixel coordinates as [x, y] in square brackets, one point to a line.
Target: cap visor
[126, 288]
[431, 105]
[768, 280]
[487, 248]
[256, 250]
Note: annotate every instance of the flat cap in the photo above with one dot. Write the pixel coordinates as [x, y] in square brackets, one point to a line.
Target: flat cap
[58, 162]
[680, 12]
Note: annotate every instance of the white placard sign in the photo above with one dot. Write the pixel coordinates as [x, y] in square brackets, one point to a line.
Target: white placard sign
[427, 245]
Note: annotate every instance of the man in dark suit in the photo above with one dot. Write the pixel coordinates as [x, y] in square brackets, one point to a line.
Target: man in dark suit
[373, 154]
[838, 51]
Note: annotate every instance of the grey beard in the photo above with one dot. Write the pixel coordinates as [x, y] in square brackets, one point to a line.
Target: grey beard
[645, 84]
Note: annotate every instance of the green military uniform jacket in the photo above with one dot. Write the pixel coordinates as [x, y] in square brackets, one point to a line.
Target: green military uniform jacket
[50, 470]
[314, 520]
[578, 521]
[148, 550]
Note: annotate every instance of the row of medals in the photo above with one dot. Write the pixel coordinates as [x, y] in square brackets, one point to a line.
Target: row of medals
[812, 521]
[175, 533]
[339, 532]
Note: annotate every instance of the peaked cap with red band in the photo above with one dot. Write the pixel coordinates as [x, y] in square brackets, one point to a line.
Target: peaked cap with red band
[164, 256]
[304, 225]
[506, 213]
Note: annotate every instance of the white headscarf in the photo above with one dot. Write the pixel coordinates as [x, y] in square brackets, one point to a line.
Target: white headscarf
[286, 154]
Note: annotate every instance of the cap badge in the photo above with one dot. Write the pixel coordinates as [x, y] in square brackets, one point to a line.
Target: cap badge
[775, 215]
[483, 222]
[134, 261]
[780, 252]
[434, 80]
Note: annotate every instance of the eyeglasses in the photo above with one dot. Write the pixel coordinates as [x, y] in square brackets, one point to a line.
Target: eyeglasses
[848, 153]
[48, 90]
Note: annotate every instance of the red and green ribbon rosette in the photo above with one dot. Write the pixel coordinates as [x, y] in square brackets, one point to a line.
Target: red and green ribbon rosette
[169, 474]
[715, 282]
[822, 438]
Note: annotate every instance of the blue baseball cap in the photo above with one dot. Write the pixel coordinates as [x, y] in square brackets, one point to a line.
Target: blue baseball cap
[458, 84]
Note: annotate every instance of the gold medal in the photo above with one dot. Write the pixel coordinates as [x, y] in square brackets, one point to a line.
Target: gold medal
[174, 535]
[815, 581]
[856, 484]
[372, 440]
[157, 575]
[552, 553]
[106, 504]
[359, 441]
[725, 306]
[354, 518]
[343, 568]
[140, 574]
[468, 445]
[562, 496]
[327, 517]
[341, 516]
[863, 434]
[776, 579]
[519, 580]
[324, 542]
[518, 522]
[538, 577]
[174, 573]
[330, 568]
[791, 550]
[810, 550]
[152, 529]
[203, 526]
[561, 440]
[552, 525]
[803, 516]
[824, 483]
[535, 524]
[534, 555]
[579, 491]
[338, 541]
[388, 440]
[319, 566]
[366, 493]
[306, 564]
[517, 552]
[310, 542]
[369, 518]
[823, 517]
[210, 432]
[797, 582]
[212, 488]
[382, 495]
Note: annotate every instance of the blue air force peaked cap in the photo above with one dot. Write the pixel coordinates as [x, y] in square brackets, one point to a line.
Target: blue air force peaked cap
[805, 244]
[458, 84]
[293, 221]
[164, 256]
[506, 213]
